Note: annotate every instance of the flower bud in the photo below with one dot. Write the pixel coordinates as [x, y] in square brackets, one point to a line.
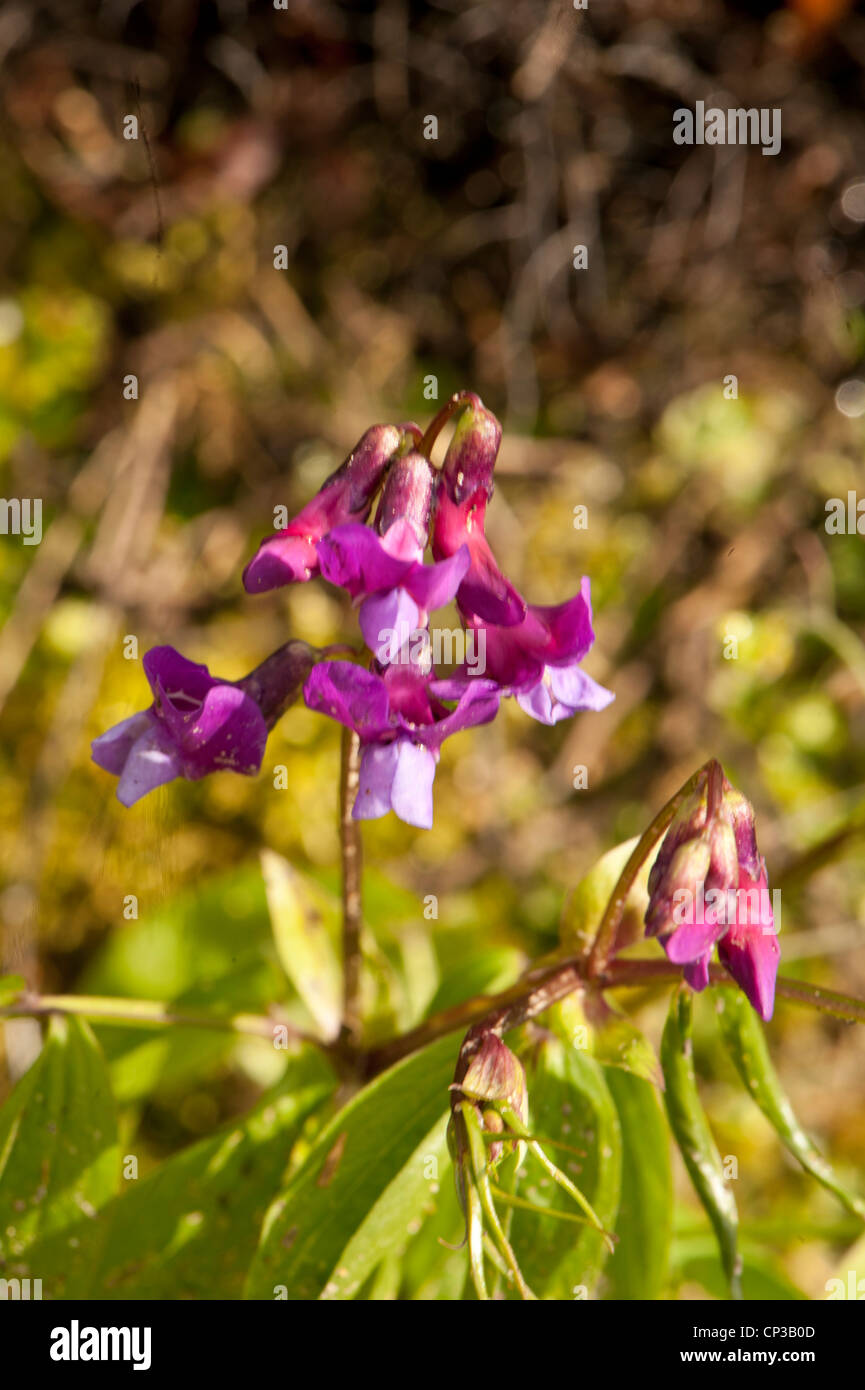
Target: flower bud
[277, 682]
[495, 1077]
[347, 495]
[711, 847]
[471, 455]
[407, 496]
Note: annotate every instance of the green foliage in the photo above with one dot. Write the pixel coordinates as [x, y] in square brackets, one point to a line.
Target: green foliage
[368, 1177]
[692, 1134]
[743, 1034]
[570, 1102]
[59, 1164]
[638, 1267]
[189, 1228]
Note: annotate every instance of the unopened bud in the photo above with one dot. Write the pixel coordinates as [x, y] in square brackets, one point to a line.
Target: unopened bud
[471, 455]
[277, 682]
[407, 495]
[496, 1077]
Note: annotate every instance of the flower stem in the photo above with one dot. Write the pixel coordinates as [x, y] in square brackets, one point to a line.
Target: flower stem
[517, 1004]
[349, 833]
[540, 989]
[605, 938]
[458, 400]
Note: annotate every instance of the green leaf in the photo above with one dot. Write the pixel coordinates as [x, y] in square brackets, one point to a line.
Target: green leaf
[395, 1217]
[609, 1037]
[585, 906]
[10, 987]
[638, 1268]
[59, 1163]
[298, 911]
[694, 1138]
[364, 1184]
[746, 1042]
[189, 1229]
[433, 1270]
[569, 1100]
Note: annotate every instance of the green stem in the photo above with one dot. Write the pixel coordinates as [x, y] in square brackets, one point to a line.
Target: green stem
[518, 1003]
[148, 1013]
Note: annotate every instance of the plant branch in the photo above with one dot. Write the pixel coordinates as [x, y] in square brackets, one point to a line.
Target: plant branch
[541, 988]
[149, 1013]
[524, 1000]
[350, 843]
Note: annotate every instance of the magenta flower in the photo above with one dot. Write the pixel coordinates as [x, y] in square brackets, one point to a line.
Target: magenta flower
[484, 592]
[197, 723]
[387, 576]
[531, 650]
[709, 886]
[347, 495]
[537, 660]
[402, 723]
[383, 570]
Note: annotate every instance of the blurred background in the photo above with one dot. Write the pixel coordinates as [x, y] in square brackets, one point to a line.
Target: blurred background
[415, 267]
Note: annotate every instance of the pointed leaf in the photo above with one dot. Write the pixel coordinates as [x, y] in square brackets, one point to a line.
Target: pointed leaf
[367, 1165]
[746, 1042]
[694, 1138]
[298, 910]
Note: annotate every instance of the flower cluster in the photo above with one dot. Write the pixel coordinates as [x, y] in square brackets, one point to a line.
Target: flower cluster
[401, 709]
[708, 886]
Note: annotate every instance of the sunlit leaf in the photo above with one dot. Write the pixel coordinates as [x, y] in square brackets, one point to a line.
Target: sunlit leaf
[59, 1163]
[369, 1177]
[297, 913]
[585, 905]
[638, 1267]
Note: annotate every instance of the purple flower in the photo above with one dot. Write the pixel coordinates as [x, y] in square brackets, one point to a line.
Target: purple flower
[197, 723]
[385, 572]
[387, 575]
[537, 660]
[532, 651]
[484, 592]
[465, 487]
[347, 495]
[709, 886]
[402, 723]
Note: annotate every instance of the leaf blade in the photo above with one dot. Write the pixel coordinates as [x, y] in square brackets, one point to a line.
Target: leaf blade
[745, 1041]
[351, 1166]
[694, 1137]
[59, 1162]
[638, 1268]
